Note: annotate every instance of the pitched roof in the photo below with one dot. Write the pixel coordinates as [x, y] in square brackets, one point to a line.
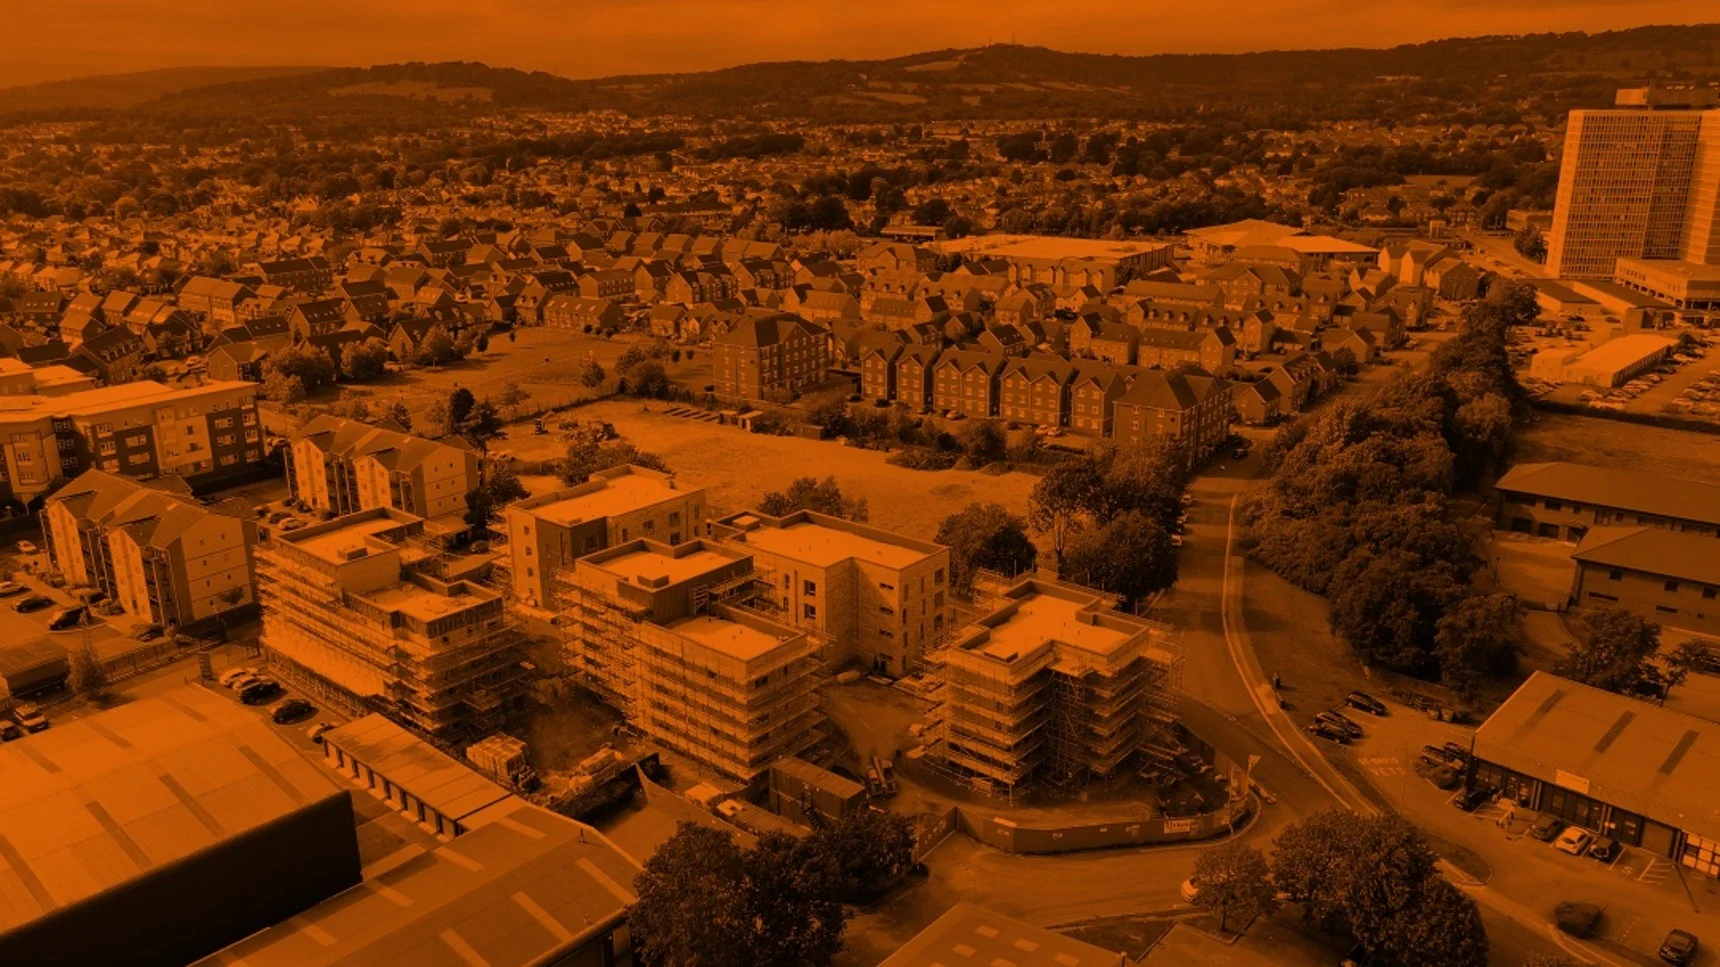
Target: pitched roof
[1603, 486]
[1653, 550]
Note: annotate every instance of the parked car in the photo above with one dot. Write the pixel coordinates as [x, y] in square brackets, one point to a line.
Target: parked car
[9, 588]
[1577, 919]
[1546, 827]
[1445, 777]
[1188, 890]
[1457, 752]
[1470, 799]
[1679, 947]
[68, 618]
[29, 717]
[1323, 730]
[1341, 722]
[317, 731]
[1440, 753]
[148, 633]
[34, 602]
[291, 524]
[25, 547]
[1574, 841]
[9, 730]
[1365, 702]
[260, 692]
[292, 710]
[231, 676]
[1603, 849]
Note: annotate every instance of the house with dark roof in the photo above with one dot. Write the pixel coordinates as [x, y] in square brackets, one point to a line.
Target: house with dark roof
[763, 356]
[317, 317]
[1186, 407]
[878, 358]
[1258, 403]
[1036, 389]
[968, 382]
[1212, 350]
[1565, 500]
[915, 374]
[344, 466]
[1669, 577]
[113, 355]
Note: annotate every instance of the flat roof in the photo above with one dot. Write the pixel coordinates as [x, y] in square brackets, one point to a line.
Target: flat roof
[424, 604]
[730, 638]
[971, 934]
[1047, 247]
[1652, 494]
[332, 544]
[649, 566]
[1624, 351]
[1676, 268]
[409, 762]
[1040, 618]
[618, 495]
[525, 886]
[99, 801]
[1638, 756]
[821, 546]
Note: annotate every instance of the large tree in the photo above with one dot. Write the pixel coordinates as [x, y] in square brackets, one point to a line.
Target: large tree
[1614, 650]
[1130, 556]
[1477, 636]
[809, 493]
[1234, 879]
[1063, 498]
[985, 536]
[691, 905]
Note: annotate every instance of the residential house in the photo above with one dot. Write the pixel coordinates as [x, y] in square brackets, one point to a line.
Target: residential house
[968, 382]
[1036, 389]
[343, 466]
[1213, 350]
[770, 355]
[1187, 408]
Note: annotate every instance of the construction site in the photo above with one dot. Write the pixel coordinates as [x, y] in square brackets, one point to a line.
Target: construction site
[664, 634]
[1050, 688]
[369, 613]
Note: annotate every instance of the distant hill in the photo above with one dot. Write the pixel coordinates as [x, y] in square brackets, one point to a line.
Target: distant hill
[110, 91]
[1484, 78]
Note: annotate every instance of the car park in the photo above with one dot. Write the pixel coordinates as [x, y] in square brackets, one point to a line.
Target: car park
[259, 692]
[1603, 849]
[10, 588]
[1679, 947]
[29, 717]
[1365, 702]
[1574, 841]
[1545, 828]
[35, 602]
[292, 710]
[68, 618]
[1471, 799]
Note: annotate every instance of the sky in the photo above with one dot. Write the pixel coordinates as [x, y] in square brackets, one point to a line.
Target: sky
[593, 38]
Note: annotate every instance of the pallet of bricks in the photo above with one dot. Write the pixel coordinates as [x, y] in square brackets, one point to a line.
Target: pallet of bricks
[503, 757]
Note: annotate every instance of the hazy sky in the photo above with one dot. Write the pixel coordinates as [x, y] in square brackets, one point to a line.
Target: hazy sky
[588, 38]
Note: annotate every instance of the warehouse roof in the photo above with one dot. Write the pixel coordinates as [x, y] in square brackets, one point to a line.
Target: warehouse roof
[1624, 489]
[442, 783]
[1643, 758]
[96, 802]
[525, 887]
[971, 934]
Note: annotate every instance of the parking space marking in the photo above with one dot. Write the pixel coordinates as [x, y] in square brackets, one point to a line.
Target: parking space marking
[1657, 870]
[1382, 765]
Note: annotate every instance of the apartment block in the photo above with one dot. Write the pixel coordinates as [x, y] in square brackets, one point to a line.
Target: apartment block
[165, 557]
[771, 355]
[1052, 685]
[344, 466]
[141, 429]
[659, 631]
[548, 532]
[876, 597]
[1640, 180]
[1669, 577]
[1567, 500]
[360, 609]
[1189, 409]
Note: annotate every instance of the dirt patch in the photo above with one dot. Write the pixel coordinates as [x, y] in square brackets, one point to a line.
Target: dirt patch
[1130, 936]
[561, 733]
[1627, 446]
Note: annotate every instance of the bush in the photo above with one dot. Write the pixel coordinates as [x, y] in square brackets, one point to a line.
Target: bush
[920, 458]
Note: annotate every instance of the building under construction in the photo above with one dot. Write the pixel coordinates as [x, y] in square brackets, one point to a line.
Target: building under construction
[662, 633]
[1050, 686]
[368, 612]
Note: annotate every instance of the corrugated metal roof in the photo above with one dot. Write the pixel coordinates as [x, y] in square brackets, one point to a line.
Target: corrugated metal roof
[441, 782]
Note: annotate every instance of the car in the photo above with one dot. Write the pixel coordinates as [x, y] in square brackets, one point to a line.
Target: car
[1445, 777]
[29, 717]
[1679, 947]
[68, 618]
[1341, 722]
[148, 633]
[231, 676]
[1441, 754]
[1176, 540]
[1546, 827]
[25, 547]
[1365, 702]
[1577, 919]
[1604, 849]
[1471, 799]
[292, 710]
[259, 692]
[9, 588]
[1457, 752]
[1574, 841]
[9, 730]
[278, 516]
[1323, 730]
[1188, 890]
[292, 524]
[34, 602]
[315, 733]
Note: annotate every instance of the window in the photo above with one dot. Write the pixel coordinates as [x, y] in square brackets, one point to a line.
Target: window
[809, 612]
[885, 633]
[1710, 592]
[1615, 575]
[886, 609]
[938, 577]
[809, 588]
[1671, 585]
[1663, 609]
[1553, 505]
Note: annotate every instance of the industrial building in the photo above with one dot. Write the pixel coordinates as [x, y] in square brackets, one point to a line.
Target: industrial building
[1052, 685]
[971, 934]
[875, 597]
[421, 782]
[1669, 577]
[1612, 363]
[1639, 180]
[1057, 261]
[1565, 500]
[364, 611]
[521, 886]
[662, 633]
[344, 466]
[1686, 285]
[167, 558]
[548, 532]
[183, 818]
[1628, 769]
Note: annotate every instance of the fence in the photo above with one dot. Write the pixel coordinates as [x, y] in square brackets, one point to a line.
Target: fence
[1015, 837]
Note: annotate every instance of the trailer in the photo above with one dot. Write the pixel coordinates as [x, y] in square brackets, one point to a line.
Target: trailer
[34, 667]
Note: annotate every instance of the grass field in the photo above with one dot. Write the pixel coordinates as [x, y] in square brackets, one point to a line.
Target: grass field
[1627, 446]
